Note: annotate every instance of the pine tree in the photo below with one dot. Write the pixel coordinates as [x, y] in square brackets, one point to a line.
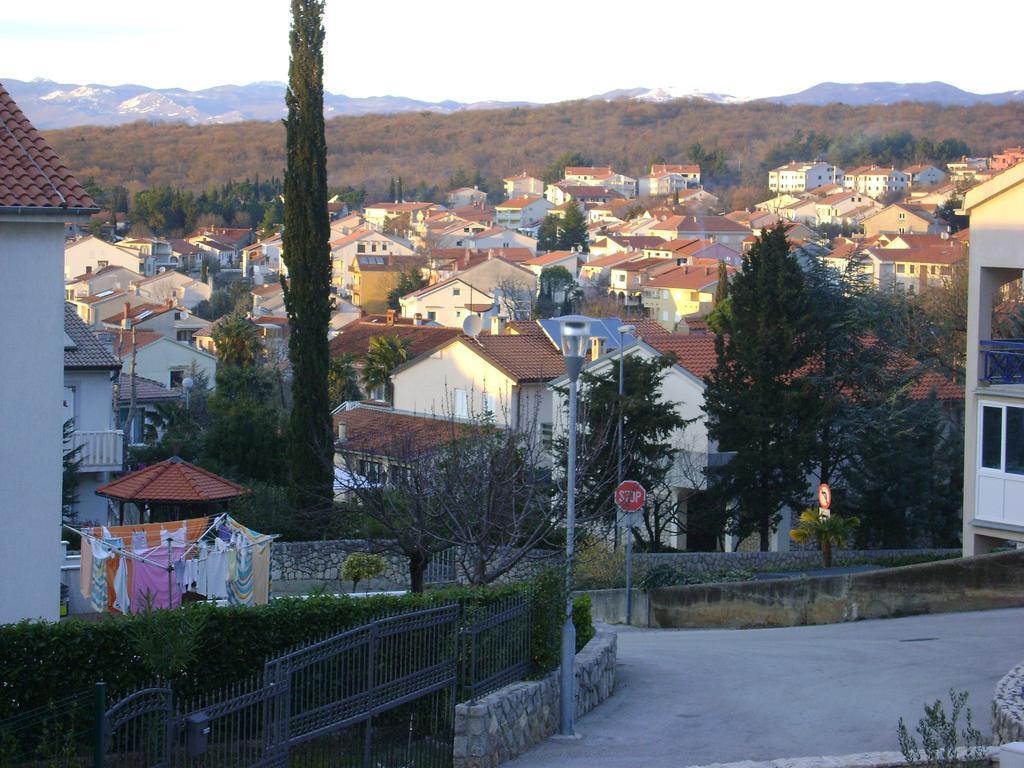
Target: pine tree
[722, 288]
[306, 250]
[574, 229]
[755, 403]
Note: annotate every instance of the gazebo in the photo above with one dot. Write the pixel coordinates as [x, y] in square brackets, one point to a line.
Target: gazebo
[171, 490]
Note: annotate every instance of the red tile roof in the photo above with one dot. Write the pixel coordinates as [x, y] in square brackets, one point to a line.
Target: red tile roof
[520, 202]
[383, 432]
[31, 174]
[691, 278]
[522, 357]
[123, 341]
[694, 352]
[172, 481]
[354, 338]
[552, 257]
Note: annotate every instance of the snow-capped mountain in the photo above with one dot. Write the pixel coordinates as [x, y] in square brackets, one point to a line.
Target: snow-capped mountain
[61, 105]
[673, 93]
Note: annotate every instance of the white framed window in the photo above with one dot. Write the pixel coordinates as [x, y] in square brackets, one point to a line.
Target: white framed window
[461, 403]
[1000, 439]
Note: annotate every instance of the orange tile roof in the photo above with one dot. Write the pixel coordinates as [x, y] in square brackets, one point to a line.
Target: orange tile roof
[123, 342]
[354, 338]
[691, 278]
[31, 173]
[694, 352]
[520, 202]
[523, 357]
[664, 168]
[172, 481]
[382, 432]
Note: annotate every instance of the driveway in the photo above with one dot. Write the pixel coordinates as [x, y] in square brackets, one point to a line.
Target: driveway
[691, 697]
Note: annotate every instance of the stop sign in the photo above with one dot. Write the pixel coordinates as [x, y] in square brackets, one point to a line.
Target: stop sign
[630, 496]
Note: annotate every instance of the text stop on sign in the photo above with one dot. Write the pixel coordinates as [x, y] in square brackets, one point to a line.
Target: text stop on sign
[630, 496]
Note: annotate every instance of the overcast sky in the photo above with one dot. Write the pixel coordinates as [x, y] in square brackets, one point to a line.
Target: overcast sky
[530, 50]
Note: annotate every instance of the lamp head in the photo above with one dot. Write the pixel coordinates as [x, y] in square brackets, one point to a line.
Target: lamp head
[575, 333]
[624, 329]
[188, 382]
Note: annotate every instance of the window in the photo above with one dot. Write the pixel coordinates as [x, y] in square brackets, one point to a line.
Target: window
[546, 434]
[361, 248]
[431, 315]
[185, 336]
[456, 291]
[1002, 438]
[461, 403]
[901, 268]
[373, 471]
[101, 264]
[177, 376]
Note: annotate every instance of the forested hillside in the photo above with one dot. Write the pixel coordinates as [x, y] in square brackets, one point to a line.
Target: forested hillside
[734, 142]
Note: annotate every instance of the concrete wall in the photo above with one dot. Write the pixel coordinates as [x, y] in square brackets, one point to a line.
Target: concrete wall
[989, 581]
[31, 414]
[1008, 707]
[498, 727]
[609, 606]
[794, 559]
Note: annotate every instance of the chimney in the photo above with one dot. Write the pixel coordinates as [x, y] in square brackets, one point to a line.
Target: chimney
[88, 269]
[498, 324]
[169, 303]
[391, 317]
[596, 347]
[686, 269]
[417, 319]
[136, 289]
[707, 270]
[342, 431]
[127, 321]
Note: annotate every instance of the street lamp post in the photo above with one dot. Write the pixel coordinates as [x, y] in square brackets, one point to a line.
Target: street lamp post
[575, 336]
[624, 329]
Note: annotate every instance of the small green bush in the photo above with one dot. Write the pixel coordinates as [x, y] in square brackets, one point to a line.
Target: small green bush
[582, 620]
[598, 566]
[941, 736]
[362, 566]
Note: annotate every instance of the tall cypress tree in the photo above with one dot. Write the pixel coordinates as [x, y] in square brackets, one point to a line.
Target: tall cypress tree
[307, 254]
[756, 402]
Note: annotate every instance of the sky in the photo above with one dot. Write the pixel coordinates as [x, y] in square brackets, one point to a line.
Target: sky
[531, 50]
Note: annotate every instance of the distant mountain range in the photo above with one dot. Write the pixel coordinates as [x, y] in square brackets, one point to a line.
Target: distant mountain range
[61, 105]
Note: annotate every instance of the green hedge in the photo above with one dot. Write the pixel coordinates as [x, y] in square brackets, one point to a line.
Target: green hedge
[201, 648]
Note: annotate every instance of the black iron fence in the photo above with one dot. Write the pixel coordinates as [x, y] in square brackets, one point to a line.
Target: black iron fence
[381, 695]
[63, 734]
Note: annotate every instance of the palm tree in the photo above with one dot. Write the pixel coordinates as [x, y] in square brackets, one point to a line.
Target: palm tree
[384, 354]
[829, 531]
[238, 341]
[341, 380]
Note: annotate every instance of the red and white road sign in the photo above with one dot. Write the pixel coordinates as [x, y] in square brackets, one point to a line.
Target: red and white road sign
[630, 496]
[824, 496]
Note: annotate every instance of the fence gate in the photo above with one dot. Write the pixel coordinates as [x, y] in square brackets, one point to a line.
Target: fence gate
[378, 696]
[137, 732]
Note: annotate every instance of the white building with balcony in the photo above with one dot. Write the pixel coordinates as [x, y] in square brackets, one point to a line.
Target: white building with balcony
[90, 372]
[38, 195]
[994, 424]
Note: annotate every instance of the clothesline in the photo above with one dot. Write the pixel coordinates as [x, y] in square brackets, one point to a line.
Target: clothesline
[239, 556]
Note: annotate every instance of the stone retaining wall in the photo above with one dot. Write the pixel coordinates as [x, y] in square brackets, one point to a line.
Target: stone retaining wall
[711, 562]
[299, 567]
[1008, 707]
[965, 584]
[508, 722]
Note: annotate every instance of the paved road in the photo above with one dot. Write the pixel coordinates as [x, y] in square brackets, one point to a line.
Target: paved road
[704, 696]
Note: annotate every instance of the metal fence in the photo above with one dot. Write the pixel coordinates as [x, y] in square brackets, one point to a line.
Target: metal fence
[62, 734]
[379, 695]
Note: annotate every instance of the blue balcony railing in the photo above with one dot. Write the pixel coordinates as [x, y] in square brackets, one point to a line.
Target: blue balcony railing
[1002, 361]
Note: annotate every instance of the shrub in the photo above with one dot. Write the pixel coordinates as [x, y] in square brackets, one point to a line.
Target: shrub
[940, 736]
[43, 662]
[362, 566]
[598, 566]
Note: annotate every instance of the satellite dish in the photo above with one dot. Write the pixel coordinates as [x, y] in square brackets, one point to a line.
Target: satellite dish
[472, 326]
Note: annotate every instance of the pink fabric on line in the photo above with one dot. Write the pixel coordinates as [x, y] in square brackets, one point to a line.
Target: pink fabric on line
[150, 582]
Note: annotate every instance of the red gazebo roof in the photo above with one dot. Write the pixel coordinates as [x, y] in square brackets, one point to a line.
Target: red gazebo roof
[173, 481]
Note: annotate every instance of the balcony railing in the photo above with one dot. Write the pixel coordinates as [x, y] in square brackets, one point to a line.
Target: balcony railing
[102, 450]
[1002, 361]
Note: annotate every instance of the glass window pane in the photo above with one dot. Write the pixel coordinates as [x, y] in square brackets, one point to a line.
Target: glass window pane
[1015, 440]
[991, 437]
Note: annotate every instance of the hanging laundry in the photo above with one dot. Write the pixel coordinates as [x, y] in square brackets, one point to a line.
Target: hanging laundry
[139, 541]
[153, 580]
[122, 601]
[240, 586]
